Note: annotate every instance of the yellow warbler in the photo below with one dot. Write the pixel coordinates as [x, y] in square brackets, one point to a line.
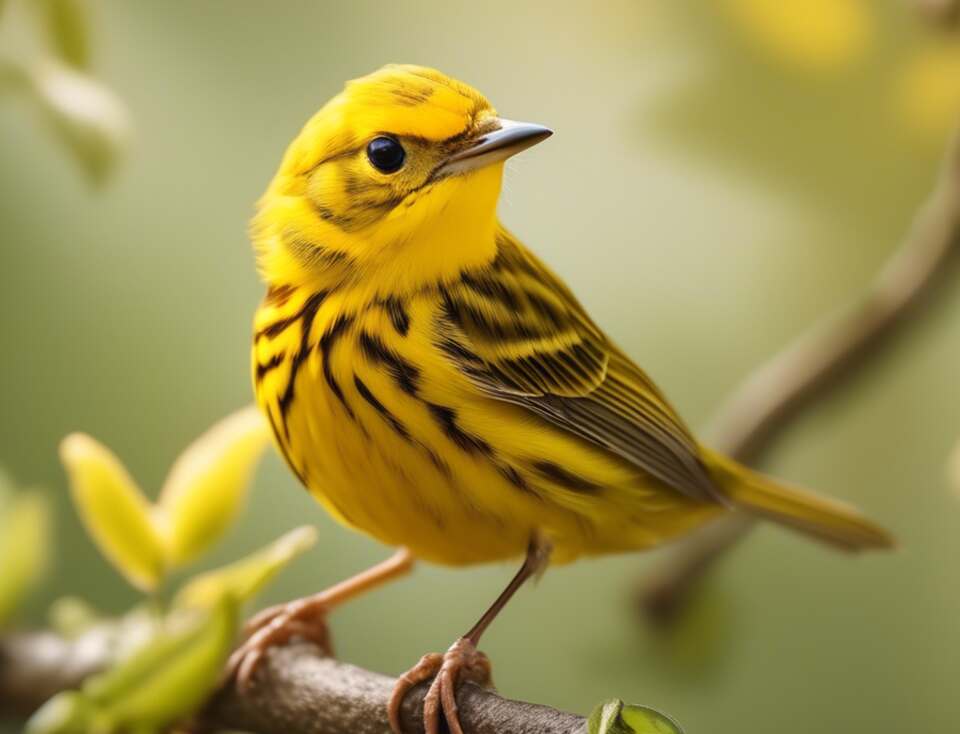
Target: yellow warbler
[436, 386]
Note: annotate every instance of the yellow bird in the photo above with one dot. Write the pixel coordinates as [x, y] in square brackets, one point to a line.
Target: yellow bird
[436, 386]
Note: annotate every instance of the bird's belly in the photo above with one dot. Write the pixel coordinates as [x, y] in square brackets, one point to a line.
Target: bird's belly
[377, 482]
[387, 484]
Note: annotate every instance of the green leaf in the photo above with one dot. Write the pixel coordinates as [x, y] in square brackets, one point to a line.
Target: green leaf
[159, 684]
[24, 545]
[244, 578]
[616, 717]
[207, 485]
[163, 688]
[88, 116]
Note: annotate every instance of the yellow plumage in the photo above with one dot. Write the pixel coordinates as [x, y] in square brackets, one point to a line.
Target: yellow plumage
[434, 385]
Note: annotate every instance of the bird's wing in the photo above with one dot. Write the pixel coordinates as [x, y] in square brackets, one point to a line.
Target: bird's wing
[522, 337]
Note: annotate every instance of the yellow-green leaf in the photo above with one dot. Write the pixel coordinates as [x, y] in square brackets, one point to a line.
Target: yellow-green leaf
[66, 713]
[208, 484]
[644, 720]
[244, 579]
[24, 547]
[89, 117]
[182, 682]
[616, 717]
[113, 509]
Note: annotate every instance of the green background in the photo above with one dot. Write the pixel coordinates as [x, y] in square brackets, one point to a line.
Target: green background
[705, 200]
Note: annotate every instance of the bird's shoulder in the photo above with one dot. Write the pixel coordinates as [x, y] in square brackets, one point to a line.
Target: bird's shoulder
[519, 321]
[521, 336]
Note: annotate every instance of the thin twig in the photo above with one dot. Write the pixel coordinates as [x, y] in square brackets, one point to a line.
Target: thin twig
[777, 392]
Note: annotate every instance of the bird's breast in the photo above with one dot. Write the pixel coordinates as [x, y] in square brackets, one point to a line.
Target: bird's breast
[370, 417]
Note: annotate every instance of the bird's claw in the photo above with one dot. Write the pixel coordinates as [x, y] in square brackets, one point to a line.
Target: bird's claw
[275, 626]
[461, 663]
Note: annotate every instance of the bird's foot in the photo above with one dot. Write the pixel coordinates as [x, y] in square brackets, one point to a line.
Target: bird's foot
[275, 626]
[462, 662]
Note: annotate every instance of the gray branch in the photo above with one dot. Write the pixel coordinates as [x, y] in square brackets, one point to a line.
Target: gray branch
[35, 666]
[298, 691]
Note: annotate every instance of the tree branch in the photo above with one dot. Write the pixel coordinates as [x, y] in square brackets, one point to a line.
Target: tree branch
[299, 691]
[777, 392]
[37, 665]
[296, 691]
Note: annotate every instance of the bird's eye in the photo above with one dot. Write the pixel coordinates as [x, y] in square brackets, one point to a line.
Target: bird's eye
[386, 154]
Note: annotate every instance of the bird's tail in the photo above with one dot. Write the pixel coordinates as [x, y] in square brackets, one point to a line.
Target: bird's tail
[826, 519]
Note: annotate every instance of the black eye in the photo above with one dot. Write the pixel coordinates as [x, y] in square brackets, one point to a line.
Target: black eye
[386, 154]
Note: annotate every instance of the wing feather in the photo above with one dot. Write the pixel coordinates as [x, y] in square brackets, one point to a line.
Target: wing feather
[522, 337]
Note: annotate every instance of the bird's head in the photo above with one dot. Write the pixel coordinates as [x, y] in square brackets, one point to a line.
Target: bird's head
[395, 179]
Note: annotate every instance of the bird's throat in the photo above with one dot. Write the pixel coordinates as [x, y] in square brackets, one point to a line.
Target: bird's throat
[431, 240]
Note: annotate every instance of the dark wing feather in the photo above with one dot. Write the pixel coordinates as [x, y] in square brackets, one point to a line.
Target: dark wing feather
[519, 333]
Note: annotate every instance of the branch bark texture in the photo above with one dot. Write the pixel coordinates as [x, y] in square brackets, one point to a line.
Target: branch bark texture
[299, 691]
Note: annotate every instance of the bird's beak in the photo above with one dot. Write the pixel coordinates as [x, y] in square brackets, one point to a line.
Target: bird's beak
[495, 146]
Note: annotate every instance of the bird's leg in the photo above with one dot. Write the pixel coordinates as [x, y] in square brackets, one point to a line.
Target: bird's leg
[307, 617]
[463, 661]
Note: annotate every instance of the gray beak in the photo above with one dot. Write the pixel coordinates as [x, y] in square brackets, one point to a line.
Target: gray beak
[495, 146]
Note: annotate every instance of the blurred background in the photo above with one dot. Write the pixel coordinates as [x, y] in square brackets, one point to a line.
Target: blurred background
[723, 175]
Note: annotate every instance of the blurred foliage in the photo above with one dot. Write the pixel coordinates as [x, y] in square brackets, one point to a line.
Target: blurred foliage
[66, 25]
[815, 35]
[858, 77]
[930, 88]
[201, 497]
[87, 117]
[245, 578]
[71, 616]
[83, 113]
[616, 717]
[25, 540]
[163, 681]
[954, 468]
[166, 662]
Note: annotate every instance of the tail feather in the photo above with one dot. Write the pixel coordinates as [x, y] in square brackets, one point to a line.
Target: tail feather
[825, 519]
